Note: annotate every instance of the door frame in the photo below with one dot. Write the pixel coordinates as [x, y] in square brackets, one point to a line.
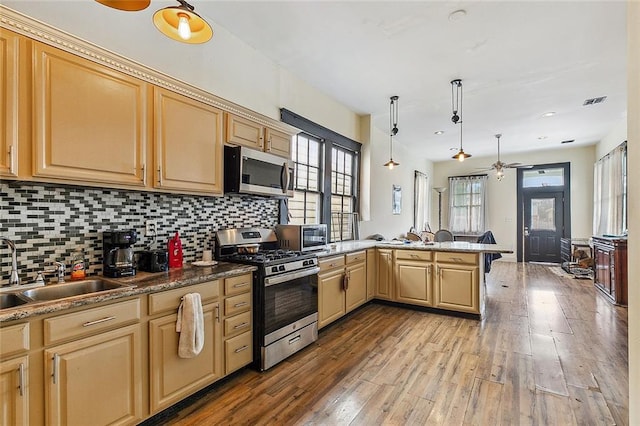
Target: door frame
[566, 197]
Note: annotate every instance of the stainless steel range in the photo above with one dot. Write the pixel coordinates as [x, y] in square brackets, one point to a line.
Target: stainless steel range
[285, 292]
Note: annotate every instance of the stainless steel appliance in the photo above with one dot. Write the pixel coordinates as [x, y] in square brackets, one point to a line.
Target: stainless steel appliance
[117, 253]
[302, 237]
[249, 171]
[285, 293]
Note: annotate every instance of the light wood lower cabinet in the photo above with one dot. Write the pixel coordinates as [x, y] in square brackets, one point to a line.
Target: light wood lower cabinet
[457, 284]
[14, 387]
[95, 380]
[342, 286]
[173, 378]
[414, 277]
[238, 323]
[384, 285]
[372, 279]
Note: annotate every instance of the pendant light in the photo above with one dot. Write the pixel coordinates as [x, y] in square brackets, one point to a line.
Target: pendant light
[393, 130]
[456, 106]
[128, 5]
[181, 23]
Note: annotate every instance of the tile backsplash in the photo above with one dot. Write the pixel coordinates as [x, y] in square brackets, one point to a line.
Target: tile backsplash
[48, 222]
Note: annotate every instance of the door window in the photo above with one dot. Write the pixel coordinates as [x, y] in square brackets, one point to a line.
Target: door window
[543, 213]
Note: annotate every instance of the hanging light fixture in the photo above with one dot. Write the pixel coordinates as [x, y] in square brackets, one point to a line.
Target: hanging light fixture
[393, 130]
[181, 23]
[128, 5]
[456, 107]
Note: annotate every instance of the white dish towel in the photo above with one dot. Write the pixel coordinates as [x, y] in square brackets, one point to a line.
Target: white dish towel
[190, 325]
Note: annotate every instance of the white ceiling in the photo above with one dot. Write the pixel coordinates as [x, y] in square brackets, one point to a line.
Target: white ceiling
[517, 60]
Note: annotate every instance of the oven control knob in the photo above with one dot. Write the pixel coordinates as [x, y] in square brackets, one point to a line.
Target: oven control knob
[282, 267]
[274, 269]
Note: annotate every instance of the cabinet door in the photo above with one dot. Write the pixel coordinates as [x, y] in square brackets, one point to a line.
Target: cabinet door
[9, 92]
[90, 122]
[14, 386]
[356, 293]
[240, 131]
[331, 297]
[385, 274]
[96, 380]
[371, 273]
[188, 144]
[603, 270]
[414, 282]
[172, 377]
[457, 288]
[278, 142]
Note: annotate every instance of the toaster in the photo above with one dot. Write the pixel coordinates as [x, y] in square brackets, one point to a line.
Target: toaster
[152, 260]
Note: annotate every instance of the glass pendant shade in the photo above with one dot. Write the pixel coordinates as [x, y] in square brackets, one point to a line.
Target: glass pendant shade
[128, 5]
[182, 24]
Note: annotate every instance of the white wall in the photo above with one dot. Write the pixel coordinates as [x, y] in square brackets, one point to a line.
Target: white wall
[502, 214]
[616, 136]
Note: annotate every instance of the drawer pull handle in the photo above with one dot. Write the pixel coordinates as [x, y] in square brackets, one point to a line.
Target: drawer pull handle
[242, 348]
[240, 285]
[21, 379]
[415, 256]
[56, 361]
[90, 323]
[241, 304]
[295, 339]
[243, 325]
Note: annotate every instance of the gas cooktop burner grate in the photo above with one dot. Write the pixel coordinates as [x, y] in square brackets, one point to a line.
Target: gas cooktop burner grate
[266, 256]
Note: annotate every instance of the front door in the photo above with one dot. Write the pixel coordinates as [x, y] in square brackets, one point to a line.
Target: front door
[543, 226]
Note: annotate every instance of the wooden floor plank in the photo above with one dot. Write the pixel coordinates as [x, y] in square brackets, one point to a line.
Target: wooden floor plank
[484, 403]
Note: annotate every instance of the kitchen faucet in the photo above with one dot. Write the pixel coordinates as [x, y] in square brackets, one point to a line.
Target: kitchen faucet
[14, 279]
[59, 270]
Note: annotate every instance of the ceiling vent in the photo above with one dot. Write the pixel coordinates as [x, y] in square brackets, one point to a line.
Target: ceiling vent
[568, 141]
[594, 101]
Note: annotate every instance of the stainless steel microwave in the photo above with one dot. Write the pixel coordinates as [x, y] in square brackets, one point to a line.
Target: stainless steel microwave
[302, 237]
[249, 171]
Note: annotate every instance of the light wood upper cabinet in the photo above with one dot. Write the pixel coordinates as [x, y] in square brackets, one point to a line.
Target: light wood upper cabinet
[9, 102]
[188, 144]
[242, 131]
[90, 122]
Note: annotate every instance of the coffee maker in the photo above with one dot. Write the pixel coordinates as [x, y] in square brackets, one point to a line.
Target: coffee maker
[117, 253]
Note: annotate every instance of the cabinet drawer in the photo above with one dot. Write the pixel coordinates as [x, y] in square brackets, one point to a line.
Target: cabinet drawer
[236, 304]
[451, 257]
[329, 263]
[237, 324]
[237, 285]
[170, 300]
[359, 256]
[90, 321]
[414, 255]
[14, 339]
[238, 352]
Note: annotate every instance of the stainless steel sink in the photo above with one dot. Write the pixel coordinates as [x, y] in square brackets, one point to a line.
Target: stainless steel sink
[10, 300]
[69, 289]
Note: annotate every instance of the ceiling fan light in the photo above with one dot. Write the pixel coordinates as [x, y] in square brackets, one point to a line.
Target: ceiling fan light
[126, 5]
[171, 22]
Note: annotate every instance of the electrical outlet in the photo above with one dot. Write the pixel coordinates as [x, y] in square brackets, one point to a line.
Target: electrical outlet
[150, 227]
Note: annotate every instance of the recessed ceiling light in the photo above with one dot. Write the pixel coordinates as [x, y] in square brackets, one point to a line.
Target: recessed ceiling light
[541, 138]
[549, 114]
[439, 132]
[457, 15]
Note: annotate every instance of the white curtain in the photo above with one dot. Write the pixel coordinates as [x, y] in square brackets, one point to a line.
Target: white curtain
[421, 204]
[610, 193]
[467, 204]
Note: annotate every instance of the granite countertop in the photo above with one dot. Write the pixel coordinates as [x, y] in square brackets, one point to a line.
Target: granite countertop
[454, 246]
[142, 283]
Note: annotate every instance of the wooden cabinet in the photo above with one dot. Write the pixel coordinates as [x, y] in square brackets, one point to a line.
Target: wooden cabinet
[457, 284]
[173, 378]
[238, 323]
[14, 375]
[10, 46]
[372, 262]
[414, 277]
[610, 255]
[242, 131]
[95, 380]
[384, 285]
[188, 144]
[342, 286]
[90, 122]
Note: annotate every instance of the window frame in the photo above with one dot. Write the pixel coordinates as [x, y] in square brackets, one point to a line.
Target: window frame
[482, 206]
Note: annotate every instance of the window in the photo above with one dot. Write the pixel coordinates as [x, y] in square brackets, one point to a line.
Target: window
[543, 177]
[610, 193]
[343, 214]
[467, 204]
[304, 206]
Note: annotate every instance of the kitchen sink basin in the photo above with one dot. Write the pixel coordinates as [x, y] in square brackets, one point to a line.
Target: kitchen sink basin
[10, 300]
[69, 289]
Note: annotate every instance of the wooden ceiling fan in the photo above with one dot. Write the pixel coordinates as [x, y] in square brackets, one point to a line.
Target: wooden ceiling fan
[499, 166]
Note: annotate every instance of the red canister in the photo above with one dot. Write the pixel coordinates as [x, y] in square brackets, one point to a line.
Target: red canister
[175, 252]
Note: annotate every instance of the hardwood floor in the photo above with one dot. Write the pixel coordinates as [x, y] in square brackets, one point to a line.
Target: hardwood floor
[551, 351]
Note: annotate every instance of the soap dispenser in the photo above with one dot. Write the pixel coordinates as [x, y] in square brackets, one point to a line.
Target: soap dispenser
[78, 265]
[175, 252]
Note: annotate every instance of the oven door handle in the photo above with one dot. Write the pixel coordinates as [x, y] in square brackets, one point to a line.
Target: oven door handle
[290, 276]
